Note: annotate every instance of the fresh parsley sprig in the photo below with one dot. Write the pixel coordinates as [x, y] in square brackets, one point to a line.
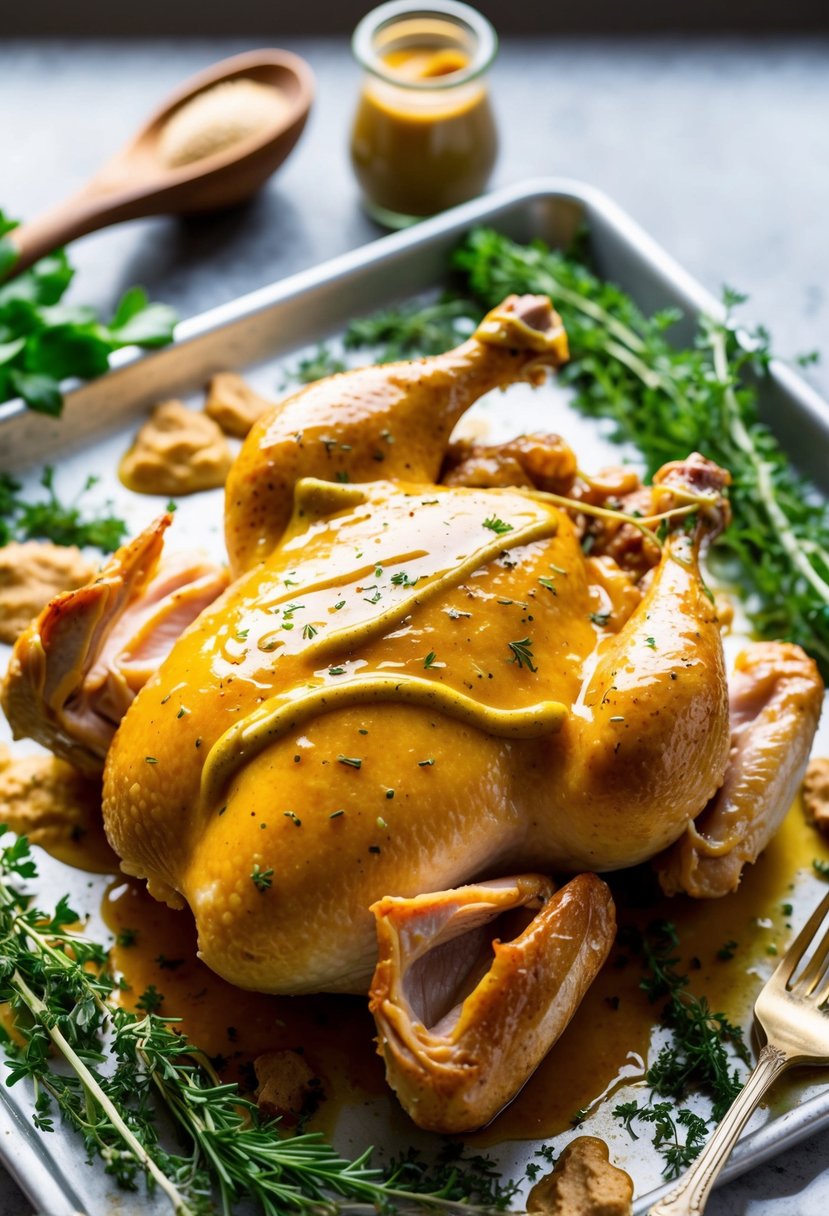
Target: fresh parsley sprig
[43, 341]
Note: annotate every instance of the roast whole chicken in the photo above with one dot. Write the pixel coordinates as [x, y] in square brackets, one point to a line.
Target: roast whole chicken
[439, 674]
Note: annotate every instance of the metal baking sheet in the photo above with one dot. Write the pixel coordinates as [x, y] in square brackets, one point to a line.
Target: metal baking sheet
[259, 334]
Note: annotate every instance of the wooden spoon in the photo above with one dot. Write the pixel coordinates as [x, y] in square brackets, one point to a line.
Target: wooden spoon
[136, 181]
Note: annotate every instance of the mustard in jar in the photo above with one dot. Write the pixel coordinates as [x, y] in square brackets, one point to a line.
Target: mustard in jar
[424, 136]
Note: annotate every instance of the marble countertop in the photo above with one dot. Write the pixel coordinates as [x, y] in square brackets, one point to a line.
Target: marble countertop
[719, 149]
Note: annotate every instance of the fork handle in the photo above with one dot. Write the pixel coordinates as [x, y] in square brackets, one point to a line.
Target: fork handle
[690, 1196]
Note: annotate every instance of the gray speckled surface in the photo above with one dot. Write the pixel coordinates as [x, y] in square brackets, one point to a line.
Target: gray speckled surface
[720, 150]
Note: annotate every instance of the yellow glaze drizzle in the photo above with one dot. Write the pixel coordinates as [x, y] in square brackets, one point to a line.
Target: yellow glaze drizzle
[286, 711]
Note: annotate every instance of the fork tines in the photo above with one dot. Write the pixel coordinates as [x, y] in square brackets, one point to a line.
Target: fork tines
[816, 966]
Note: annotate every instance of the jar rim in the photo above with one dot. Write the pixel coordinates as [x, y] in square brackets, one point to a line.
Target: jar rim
[485, 41]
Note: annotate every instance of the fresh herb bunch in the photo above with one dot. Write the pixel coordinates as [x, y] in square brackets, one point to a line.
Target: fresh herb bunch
[42, 341]
[701, 1056]
[670, 401]
[414, 329]
[109, 1073]
[50, 519]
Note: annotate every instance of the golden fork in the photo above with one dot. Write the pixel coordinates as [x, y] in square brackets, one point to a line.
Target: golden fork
[793, 1013]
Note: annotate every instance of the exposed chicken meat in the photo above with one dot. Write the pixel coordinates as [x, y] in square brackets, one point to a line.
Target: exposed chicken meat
[448, 999]
[77, 668]
[775, 701]
[545, 462]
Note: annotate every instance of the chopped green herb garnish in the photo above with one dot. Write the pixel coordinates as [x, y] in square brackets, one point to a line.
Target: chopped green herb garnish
[430, 660]
[150, 760]
[261, 879]
[522, 653]
[497, 525]
[350, 761]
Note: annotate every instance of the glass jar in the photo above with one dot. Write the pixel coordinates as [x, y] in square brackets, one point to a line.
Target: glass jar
[424, 137]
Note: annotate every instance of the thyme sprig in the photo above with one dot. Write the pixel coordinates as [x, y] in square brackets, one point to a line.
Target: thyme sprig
[700, 1056]
[671, 400]
[118, 1078]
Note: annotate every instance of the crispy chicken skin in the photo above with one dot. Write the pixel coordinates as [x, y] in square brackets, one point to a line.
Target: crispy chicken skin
[392, 421]
[407, 691]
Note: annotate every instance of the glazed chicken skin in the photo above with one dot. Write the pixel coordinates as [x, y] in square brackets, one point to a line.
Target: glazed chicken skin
[413, 703]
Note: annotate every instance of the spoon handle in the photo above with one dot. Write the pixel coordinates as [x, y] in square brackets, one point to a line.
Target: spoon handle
[94, 206]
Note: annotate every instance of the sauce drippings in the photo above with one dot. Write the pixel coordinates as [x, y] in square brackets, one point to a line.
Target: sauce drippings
[156, 945]
[605, 1047]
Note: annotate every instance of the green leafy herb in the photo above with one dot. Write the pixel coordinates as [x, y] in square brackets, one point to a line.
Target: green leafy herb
[701, 1054]
[821, 867]
[261, 879]
[670, 401]
[677, 1152]
[430, 660]
[50, 519]
[350, 761]
[497, 525]
[43, 341]
[320, 363]
[413, 329]
[522, 653]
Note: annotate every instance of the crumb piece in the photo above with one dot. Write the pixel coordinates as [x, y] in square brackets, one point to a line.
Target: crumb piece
[233, 404]
[178, 451]
[286, 1086]
[816, 793]
[33, 573]
[583, 1183]
[58, 808]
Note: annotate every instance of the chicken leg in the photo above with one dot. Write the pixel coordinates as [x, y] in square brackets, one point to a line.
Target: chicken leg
[392, 421]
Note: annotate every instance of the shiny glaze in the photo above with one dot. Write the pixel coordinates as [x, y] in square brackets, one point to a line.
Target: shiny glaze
[641, 750]
[391, 421]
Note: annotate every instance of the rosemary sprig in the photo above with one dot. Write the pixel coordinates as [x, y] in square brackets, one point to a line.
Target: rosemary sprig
[120, 1070]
